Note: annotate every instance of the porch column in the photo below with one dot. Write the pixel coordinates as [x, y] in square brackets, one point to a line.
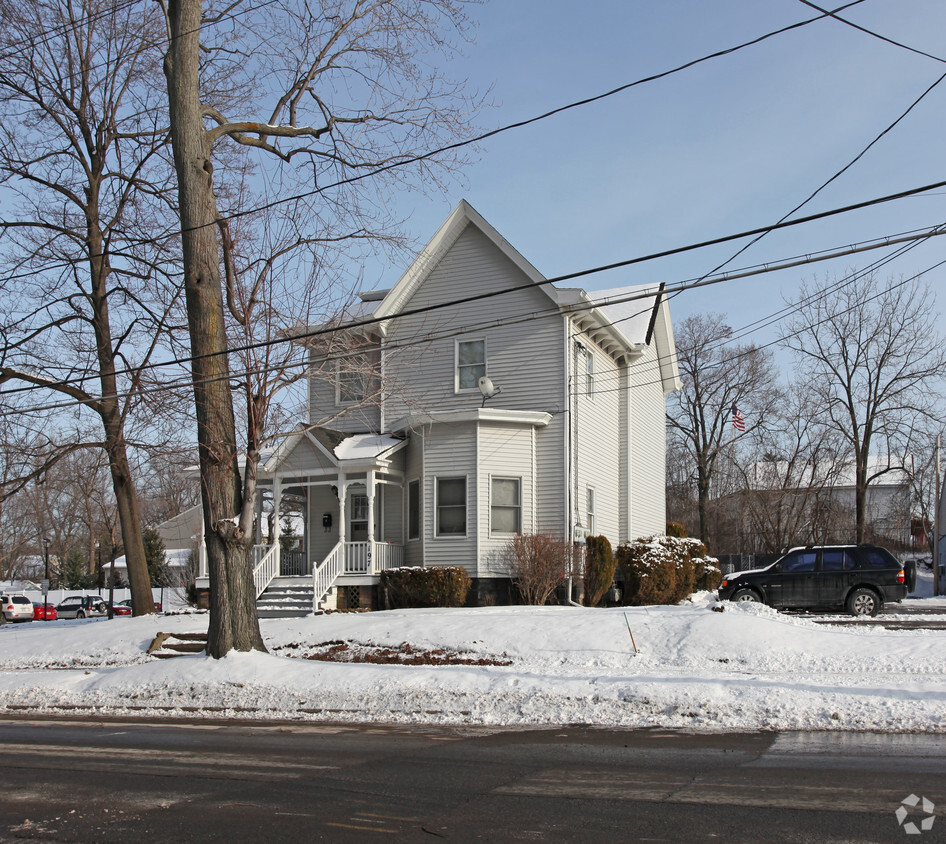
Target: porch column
[369, 488]
[258, 523]
[277, 503]
[342, 498]
[202, 551]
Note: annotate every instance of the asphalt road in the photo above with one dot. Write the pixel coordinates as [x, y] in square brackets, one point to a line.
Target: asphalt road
[165, 782]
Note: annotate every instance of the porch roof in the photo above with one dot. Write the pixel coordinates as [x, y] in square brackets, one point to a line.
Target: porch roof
[332, 448]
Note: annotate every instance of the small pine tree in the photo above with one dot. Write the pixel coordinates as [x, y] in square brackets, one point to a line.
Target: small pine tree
[154, 556]
[73, 572]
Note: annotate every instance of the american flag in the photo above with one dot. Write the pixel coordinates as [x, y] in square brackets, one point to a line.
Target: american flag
[737, 421]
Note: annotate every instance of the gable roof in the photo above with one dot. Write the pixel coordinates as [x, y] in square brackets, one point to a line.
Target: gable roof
[430, 256]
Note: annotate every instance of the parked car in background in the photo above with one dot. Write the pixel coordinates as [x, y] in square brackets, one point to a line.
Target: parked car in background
[44, 612]
[15, 608]
[120, 608]
[858, 578]
[81, 606]
[157, 605]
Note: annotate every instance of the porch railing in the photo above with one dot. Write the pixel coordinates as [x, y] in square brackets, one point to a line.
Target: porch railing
[326, 573]
[265, 566]
[387, 555]
[384, 555]
[292, 563]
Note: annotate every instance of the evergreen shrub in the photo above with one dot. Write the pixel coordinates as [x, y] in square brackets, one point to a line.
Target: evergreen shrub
[430, 586]
[599, 569]
[665, 569]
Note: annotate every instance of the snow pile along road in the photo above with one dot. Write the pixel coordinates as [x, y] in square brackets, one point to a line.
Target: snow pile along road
[746, 667]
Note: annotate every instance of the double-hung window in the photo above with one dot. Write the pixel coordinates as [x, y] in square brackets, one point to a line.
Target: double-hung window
[451, 506]
[505, 510]
[351, 379]
[590, 511]
[589, 374]
[471, 363]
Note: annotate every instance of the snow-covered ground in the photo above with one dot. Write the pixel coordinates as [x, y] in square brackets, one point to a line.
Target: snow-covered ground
[746, 667]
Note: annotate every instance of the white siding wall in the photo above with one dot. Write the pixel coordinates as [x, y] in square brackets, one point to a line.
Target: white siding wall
[648, 513]
[596, 434]
[450, 452]
[526, 359]
[505, 451]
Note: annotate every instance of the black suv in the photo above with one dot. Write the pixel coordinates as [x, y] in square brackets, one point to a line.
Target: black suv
[860, 578]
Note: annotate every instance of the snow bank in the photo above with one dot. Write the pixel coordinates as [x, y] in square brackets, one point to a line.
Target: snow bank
[744, 668]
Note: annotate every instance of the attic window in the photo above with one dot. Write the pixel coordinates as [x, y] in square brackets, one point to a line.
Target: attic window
[471, 363]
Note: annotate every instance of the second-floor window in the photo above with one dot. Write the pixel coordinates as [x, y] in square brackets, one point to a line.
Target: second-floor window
[590, 511]
[589, 374]
[351, 379]
[471, 363]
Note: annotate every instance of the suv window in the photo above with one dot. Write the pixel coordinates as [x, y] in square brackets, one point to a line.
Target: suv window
[20, 599]
[878, 558]
[799, 561]
[836, 559]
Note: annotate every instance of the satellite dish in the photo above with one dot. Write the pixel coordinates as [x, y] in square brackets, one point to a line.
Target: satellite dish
[487, 388]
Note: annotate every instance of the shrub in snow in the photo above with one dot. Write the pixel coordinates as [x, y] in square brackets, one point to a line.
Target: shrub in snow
[665, 569]
[430, 586]
[599, 569]
[676, 529]
[537, 563]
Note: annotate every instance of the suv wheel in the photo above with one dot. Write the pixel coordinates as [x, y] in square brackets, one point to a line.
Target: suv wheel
[80, 614]
[863, 602]
[742, 596]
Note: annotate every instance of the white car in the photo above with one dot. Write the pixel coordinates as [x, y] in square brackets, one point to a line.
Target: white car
[16, 608]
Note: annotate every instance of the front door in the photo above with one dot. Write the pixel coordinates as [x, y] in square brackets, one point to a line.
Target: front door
[358, 518]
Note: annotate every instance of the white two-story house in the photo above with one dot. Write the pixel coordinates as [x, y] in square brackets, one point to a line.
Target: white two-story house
[409, 457]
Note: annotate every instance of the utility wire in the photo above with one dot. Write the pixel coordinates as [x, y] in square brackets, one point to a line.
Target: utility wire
[452, 331]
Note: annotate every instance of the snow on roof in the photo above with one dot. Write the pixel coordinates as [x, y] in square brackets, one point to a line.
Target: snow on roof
[630, 317]
[365, 446]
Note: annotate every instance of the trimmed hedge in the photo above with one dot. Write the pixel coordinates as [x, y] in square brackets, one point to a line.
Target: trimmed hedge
[665, 569]
[676, 529]
[429, 586]
[599, 569]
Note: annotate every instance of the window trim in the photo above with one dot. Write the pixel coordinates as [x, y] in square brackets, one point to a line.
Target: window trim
[466, 506]
[456, 363]
[366, 377]
[589, 374]
[518, 507]
[591, 506]
[415, 484]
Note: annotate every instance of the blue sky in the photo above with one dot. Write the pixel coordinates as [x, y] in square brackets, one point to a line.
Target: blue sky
[729, 145]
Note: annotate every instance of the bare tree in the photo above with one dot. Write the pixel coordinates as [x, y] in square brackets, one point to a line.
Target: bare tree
[718, 375]
[347, 95]
[875, 364]
[538, 564]
[81, 140]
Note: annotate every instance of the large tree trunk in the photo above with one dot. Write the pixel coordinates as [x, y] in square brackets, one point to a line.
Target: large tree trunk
[142, 599]
[233, 620]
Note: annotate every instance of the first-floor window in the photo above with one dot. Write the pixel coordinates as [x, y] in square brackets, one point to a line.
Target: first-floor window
[505, 511]
[451, 506]
[590, 523]
[413, 510]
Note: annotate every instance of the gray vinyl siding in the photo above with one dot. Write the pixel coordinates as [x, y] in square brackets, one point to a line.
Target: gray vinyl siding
[505, 451]
[322, 501]
[648, 448]
[324, 411]
[414, 470]
[450, 453]
[393, 526]
[306, 457]
[523, 358]
[597, 442]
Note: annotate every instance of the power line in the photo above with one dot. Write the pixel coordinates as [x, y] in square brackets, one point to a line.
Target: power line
[363, 323]
[460, 144]
[453, 331]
